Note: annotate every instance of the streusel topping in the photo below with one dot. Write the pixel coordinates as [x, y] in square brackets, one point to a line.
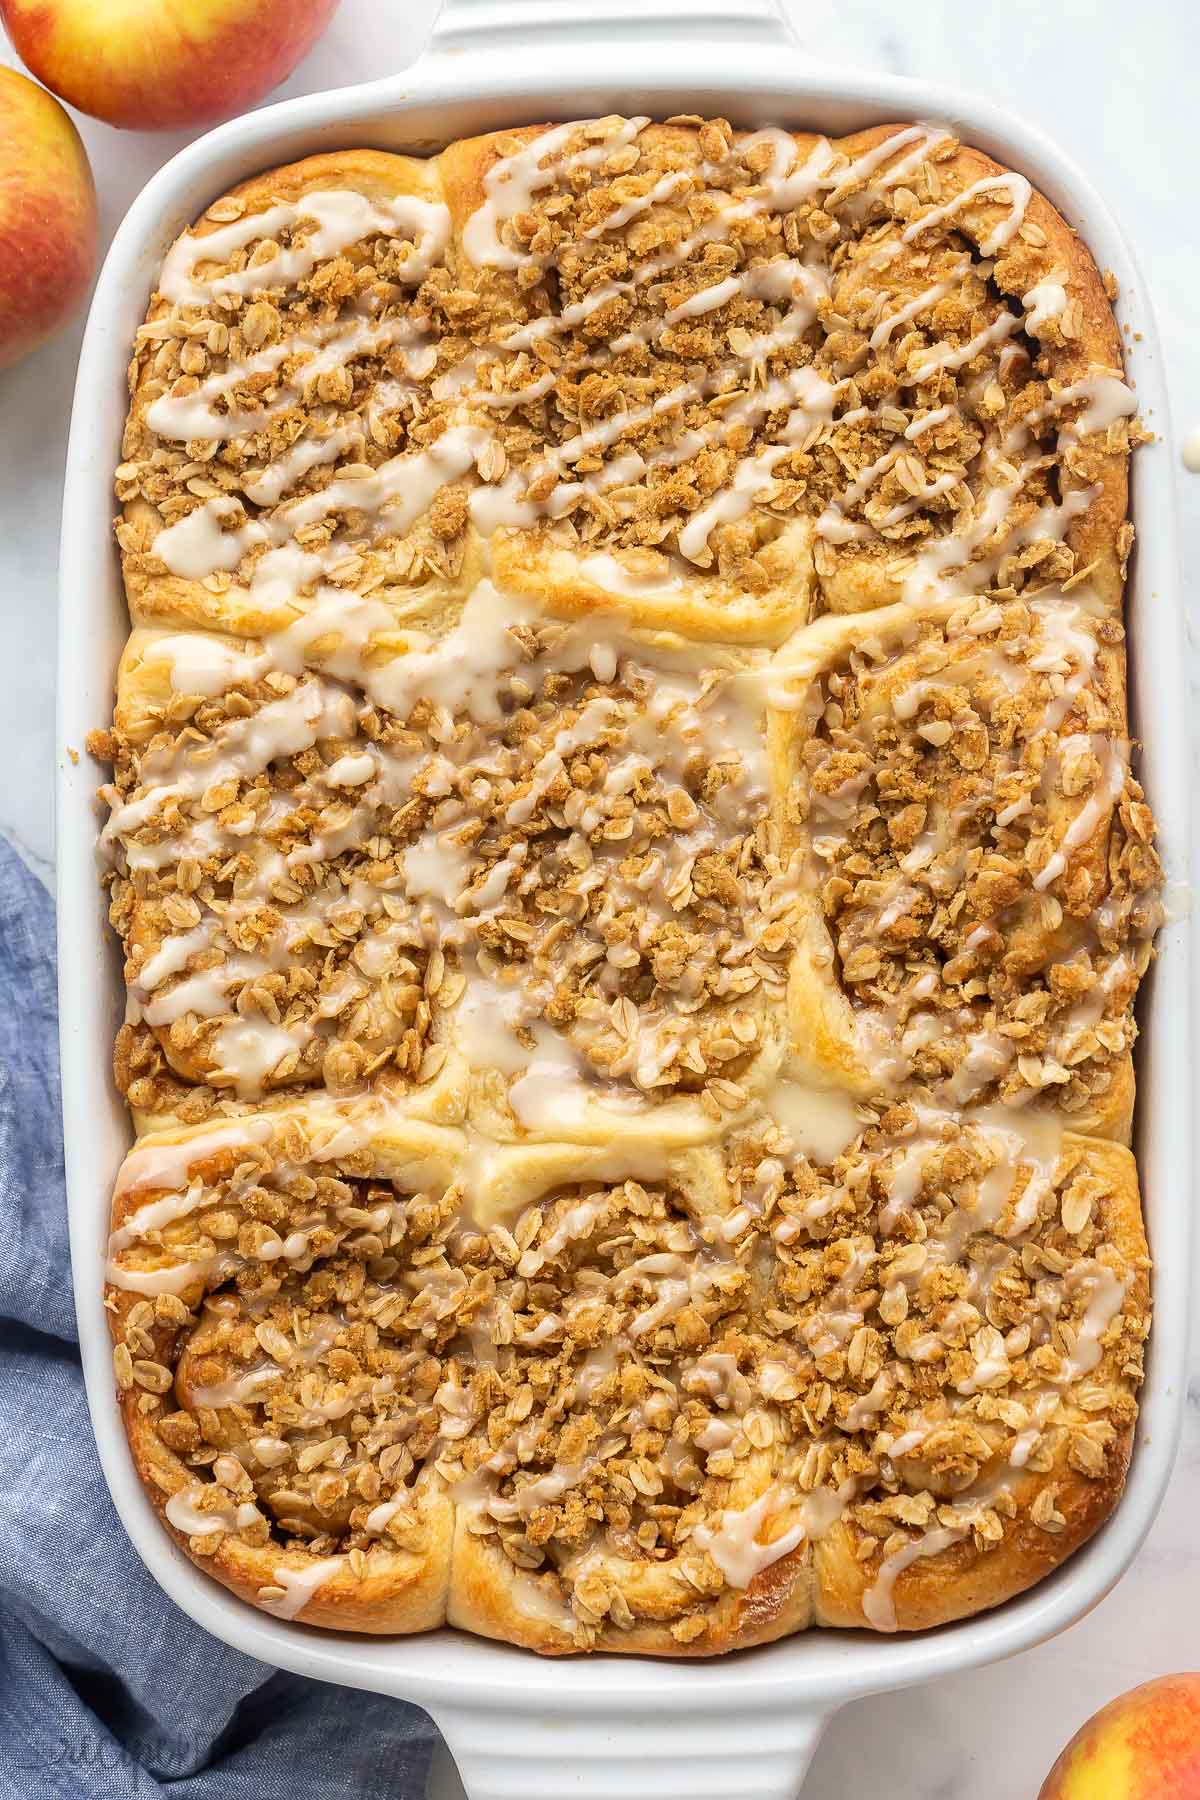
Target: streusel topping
[633, 887]
[981, 851]
[530, 831]
[647, 337]
[613, 1377]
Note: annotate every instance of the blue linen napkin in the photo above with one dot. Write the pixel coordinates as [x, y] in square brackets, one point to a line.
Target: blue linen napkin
[107, 1690]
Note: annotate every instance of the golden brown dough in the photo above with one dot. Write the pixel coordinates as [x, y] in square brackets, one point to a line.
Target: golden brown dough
[633, 889]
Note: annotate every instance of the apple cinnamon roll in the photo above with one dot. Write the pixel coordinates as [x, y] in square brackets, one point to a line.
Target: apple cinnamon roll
[970, 1300]
[979, 881]
[281, 367]
[254, 869]
[277, 1301]
[617, 1424]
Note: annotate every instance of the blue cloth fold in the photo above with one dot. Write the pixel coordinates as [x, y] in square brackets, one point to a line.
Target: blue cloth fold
[107, 1690]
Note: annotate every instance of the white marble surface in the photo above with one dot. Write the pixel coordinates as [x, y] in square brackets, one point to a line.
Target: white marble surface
[1110, 83]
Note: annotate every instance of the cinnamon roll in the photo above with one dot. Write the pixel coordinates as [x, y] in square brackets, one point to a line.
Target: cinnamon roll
[978, 875]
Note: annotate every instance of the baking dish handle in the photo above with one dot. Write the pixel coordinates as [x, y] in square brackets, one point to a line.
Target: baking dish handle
[607, 1751]
[511, 24]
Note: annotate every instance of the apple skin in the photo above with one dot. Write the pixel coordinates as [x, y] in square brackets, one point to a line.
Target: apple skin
[47, 216]
[154, 65]
[1145, 1745]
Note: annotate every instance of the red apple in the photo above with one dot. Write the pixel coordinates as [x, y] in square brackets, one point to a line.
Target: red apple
[154, 64]
[47, 216]
[1143, 1746]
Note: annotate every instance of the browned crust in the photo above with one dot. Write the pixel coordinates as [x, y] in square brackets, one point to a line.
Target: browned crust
[377, 173]
[464, 165]
[707, 609]
[962, 1581]
[175, 603]
[488, 1597]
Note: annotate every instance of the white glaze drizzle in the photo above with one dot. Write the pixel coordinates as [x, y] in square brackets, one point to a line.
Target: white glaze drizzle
[300, 1586]
[1015, 186]
[342, 217]
[185, 1514]
[734, 1543]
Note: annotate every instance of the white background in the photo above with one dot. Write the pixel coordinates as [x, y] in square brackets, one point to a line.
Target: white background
[1116, 85]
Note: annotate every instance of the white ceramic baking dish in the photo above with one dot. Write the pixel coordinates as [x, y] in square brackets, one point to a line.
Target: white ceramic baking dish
[743, 1727]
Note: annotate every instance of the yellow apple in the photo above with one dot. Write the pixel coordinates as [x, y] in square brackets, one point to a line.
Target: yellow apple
[154, 64]
[1145, 1745]
[47, 216]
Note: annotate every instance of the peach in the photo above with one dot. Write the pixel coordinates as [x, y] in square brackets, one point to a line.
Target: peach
[47, 216]
[1145, 1745]
[154, 64]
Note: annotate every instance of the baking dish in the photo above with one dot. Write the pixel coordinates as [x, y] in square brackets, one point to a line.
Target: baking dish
[743, 1727]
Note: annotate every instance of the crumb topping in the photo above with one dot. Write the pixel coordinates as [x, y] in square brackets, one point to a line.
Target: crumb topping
[980, 850]
[662, 339]
[607, 1380]
[630, 668]
[322, 886]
